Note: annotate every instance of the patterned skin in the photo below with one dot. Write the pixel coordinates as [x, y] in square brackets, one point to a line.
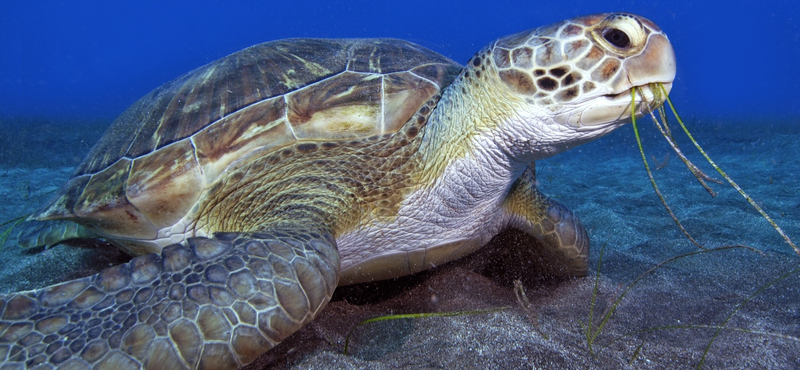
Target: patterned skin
[264, 180]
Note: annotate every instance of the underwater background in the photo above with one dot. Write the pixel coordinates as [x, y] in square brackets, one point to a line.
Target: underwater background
[91, 59]
[68, 68]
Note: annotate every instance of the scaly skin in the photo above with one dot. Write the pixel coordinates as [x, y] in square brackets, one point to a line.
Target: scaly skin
[549, 222]
[286, 224]
[214, 304]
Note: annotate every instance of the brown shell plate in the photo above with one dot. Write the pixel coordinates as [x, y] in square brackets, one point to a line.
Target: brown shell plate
[161, 153]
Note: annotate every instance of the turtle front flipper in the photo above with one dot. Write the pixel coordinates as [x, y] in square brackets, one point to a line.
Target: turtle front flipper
[216, 304]
[551, 223]
[33, 233]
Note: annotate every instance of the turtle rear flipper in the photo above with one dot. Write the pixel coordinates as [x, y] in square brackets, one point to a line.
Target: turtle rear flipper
[218, 303]
[33, 233]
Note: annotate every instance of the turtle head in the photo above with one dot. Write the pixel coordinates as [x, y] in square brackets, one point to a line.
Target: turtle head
[571, 82]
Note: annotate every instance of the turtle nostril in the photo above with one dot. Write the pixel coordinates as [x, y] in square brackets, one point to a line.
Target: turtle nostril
[617, 37]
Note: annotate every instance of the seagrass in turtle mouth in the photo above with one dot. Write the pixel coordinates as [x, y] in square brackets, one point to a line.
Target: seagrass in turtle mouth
[649, 94]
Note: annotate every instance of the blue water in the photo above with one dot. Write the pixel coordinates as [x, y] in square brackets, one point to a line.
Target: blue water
[90, 59]
[68, 68]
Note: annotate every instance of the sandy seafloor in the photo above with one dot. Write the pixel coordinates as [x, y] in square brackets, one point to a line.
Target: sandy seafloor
[605, 184]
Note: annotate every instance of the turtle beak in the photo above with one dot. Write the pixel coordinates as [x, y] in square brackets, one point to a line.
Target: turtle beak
[614, 109]
[656, 63]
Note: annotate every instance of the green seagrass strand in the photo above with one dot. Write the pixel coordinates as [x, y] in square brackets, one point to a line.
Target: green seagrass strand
[663, 126]
[415, 316]
[650, 173]
[730, 181]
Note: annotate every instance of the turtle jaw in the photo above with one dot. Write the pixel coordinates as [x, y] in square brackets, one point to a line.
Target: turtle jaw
[614, 110]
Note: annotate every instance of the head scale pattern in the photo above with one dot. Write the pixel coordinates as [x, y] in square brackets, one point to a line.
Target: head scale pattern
[557, 64]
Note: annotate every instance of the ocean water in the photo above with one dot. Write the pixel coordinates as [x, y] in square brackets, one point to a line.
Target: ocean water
[69, 68]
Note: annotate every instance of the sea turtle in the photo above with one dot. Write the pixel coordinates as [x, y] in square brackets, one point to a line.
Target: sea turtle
[253, 186]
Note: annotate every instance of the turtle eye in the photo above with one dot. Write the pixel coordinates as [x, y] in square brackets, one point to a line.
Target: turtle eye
[617, 37]
[621, 34]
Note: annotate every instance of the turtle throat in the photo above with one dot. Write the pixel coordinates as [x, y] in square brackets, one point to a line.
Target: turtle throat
[464, 144]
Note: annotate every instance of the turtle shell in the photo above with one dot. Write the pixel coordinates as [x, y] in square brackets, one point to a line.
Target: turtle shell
[158, 156]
